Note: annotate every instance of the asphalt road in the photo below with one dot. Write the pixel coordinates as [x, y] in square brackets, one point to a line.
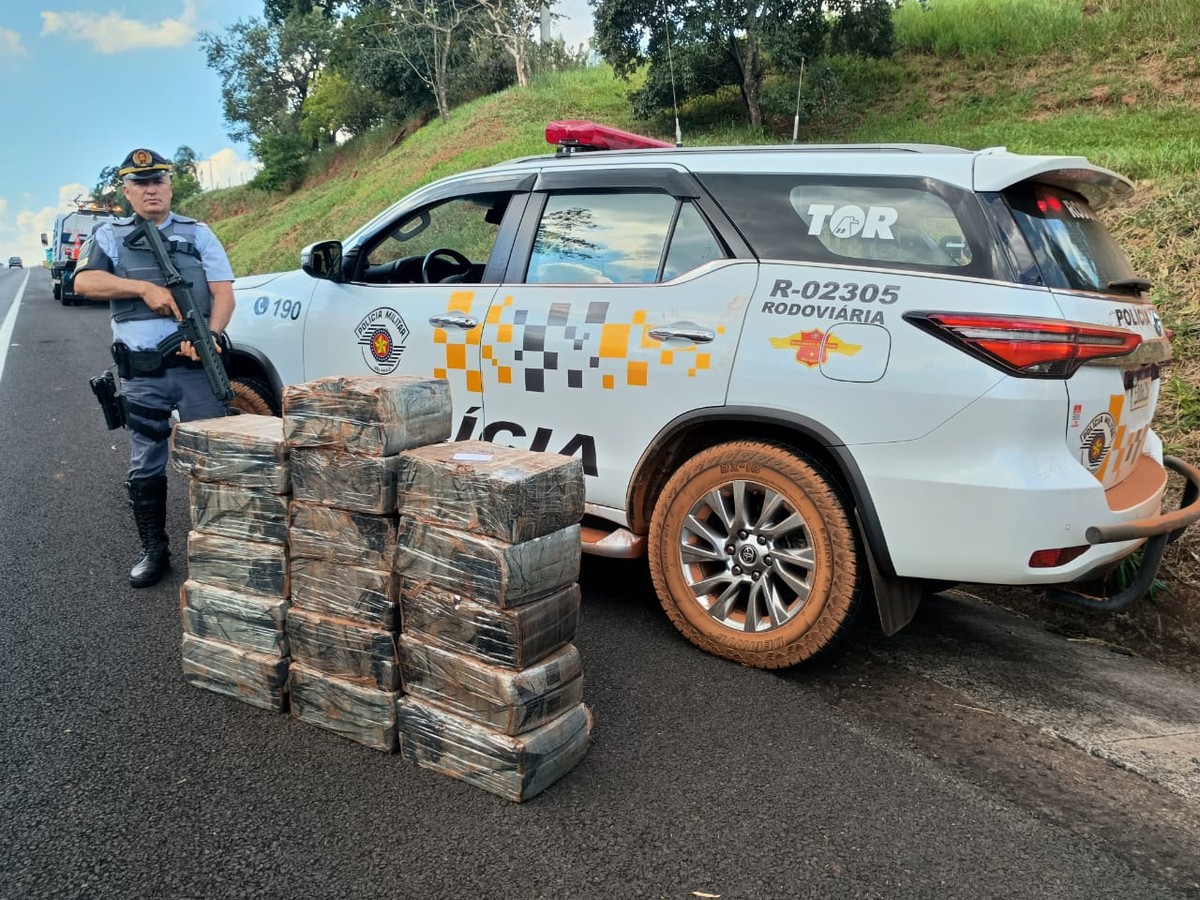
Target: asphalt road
[857, 778]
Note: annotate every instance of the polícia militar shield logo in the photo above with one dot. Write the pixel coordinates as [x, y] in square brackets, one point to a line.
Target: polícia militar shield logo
[1096, 440]
[382, 334]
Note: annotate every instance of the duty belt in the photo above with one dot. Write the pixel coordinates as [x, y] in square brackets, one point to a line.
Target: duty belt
[146, 363]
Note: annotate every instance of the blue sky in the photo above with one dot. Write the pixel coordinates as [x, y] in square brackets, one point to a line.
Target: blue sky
[83, 82]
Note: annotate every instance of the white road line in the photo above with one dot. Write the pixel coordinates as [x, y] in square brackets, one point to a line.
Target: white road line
[10, 323]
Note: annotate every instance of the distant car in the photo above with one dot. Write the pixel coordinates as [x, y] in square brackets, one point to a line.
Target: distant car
[14, 262]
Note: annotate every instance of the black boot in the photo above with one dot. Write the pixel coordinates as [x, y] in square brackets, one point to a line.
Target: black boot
[148, 497]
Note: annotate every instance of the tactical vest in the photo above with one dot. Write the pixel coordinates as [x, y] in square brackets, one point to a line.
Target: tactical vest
[180, 238]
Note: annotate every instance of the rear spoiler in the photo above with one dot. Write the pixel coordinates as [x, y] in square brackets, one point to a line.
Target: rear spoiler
[997, 169]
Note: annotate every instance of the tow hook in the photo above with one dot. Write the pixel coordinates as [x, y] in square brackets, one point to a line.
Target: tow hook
[1152, 550]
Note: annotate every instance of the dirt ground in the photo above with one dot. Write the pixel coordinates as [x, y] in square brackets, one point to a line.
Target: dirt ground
[1163, 626]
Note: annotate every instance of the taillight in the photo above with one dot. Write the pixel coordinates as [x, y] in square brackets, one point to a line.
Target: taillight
[1025, 346]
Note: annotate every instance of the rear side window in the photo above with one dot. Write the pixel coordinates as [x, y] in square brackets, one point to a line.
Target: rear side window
[1073, 249]
[913, 224]
[618, 238]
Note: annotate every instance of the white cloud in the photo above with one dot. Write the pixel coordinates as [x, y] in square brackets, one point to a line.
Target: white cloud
[20, 232]
[113, 33]
[225, 169]
[69, 193]
[10, 45]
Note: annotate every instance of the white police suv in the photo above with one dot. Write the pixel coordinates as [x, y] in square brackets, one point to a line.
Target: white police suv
[795, 375]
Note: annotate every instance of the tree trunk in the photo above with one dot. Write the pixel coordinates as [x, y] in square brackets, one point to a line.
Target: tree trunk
[441, 49]
[752, 80]
[520, 55]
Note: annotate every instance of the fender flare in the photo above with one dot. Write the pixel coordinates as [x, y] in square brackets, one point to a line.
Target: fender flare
[260, 361]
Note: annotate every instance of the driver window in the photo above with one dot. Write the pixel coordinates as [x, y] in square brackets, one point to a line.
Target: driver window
[466, 226]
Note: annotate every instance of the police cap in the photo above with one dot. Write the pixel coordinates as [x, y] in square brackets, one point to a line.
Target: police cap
[143, 165]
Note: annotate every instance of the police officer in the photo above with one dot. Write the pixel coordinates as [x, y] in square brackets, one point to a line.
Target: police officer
[143, 313]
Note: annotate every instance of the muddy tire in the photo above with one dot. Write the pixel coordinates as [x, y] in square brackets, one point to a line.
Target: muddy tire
[252, 396]
[753, 555]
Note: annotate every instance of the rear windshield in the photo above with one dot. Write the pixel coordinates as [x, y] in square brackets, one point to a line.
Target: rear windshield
[1073, 249]
[81, 224]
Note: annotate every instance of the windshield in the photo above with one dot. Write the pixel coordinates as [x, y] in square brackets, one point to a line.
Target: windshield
[1072, 247]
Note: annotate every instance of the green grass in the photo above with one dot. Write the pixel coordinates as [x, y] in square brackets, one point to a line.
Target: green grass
[988, 27]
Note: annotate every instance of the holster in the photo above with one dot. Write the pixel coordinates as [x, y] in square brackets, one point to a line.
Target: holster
[105, 388]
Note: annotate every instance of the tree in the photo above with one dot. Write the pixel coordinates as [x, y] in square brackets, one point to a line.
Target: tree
[711, 44]
[424, 34]
[185, 182]
[336, 105]
[510, 23]
[268, 71]
[107, 191]
[278, 11]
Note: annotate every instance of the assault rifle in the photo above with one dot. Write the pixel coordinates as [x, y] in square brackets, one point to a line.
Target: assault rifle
[193, 326]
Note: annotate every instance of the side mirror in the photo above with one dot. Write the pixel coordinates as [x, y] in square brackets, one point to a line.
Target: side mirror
[45, 239]
[322, 260]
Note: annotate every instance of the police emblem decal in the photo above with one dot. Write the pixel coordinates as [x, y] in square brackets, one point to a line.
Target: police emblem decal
[382, 334]
[1096, 440]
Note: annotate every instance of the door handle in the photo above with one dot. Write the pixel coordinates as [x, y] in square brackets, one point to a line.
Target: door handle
[693, 334]
[452, 321]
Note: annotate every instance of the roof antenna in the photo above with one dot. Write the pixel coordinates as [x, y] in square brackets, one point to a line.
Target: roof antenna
[796, 121]
[671, 65]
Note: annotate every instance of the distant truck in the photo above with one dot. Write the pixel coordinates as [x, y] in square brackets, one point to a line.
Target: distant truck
[62, 247]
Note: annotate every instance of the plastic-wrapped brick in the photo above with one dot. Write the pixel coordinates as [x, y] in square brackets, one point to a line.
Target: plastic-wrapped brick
[316, 531]
[344, 649]
[515, 638]
[334, 589]
[247, 567]
[483, 568]
[254, 678]
[499, 698]
[515, 767]
[238, 512]
[361, 714]
[254, 623]
[345, 480]
[374, 415]
[244, 450]
[512, 495]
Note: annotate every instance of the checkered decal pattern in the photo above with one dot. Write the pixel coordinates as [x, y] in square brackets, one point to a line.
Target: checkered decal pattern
[576, 346]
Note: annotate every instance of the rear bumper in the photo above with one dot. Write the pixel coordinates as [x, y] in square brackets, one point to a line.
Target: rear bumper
[949, 516]
[1172, 523]
[1158, 531]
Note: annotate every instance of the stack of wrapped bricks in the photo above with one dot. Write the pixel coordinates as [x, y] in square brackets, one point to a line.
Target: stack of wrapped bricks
[343, 436]
[235, 600]
[487, 559]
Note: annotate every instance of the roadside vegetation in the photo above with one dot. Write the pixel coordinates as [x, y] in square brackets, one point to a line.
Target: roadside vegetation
[1117, 81]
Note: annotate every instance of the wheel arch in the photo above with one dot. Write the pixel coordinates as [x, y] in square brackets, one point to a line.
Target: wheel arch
[699, 429]
[247, 362]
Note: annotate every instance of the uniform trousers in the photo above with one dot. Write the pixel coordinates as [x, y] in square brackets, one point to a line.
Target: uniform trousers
[179, 388]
